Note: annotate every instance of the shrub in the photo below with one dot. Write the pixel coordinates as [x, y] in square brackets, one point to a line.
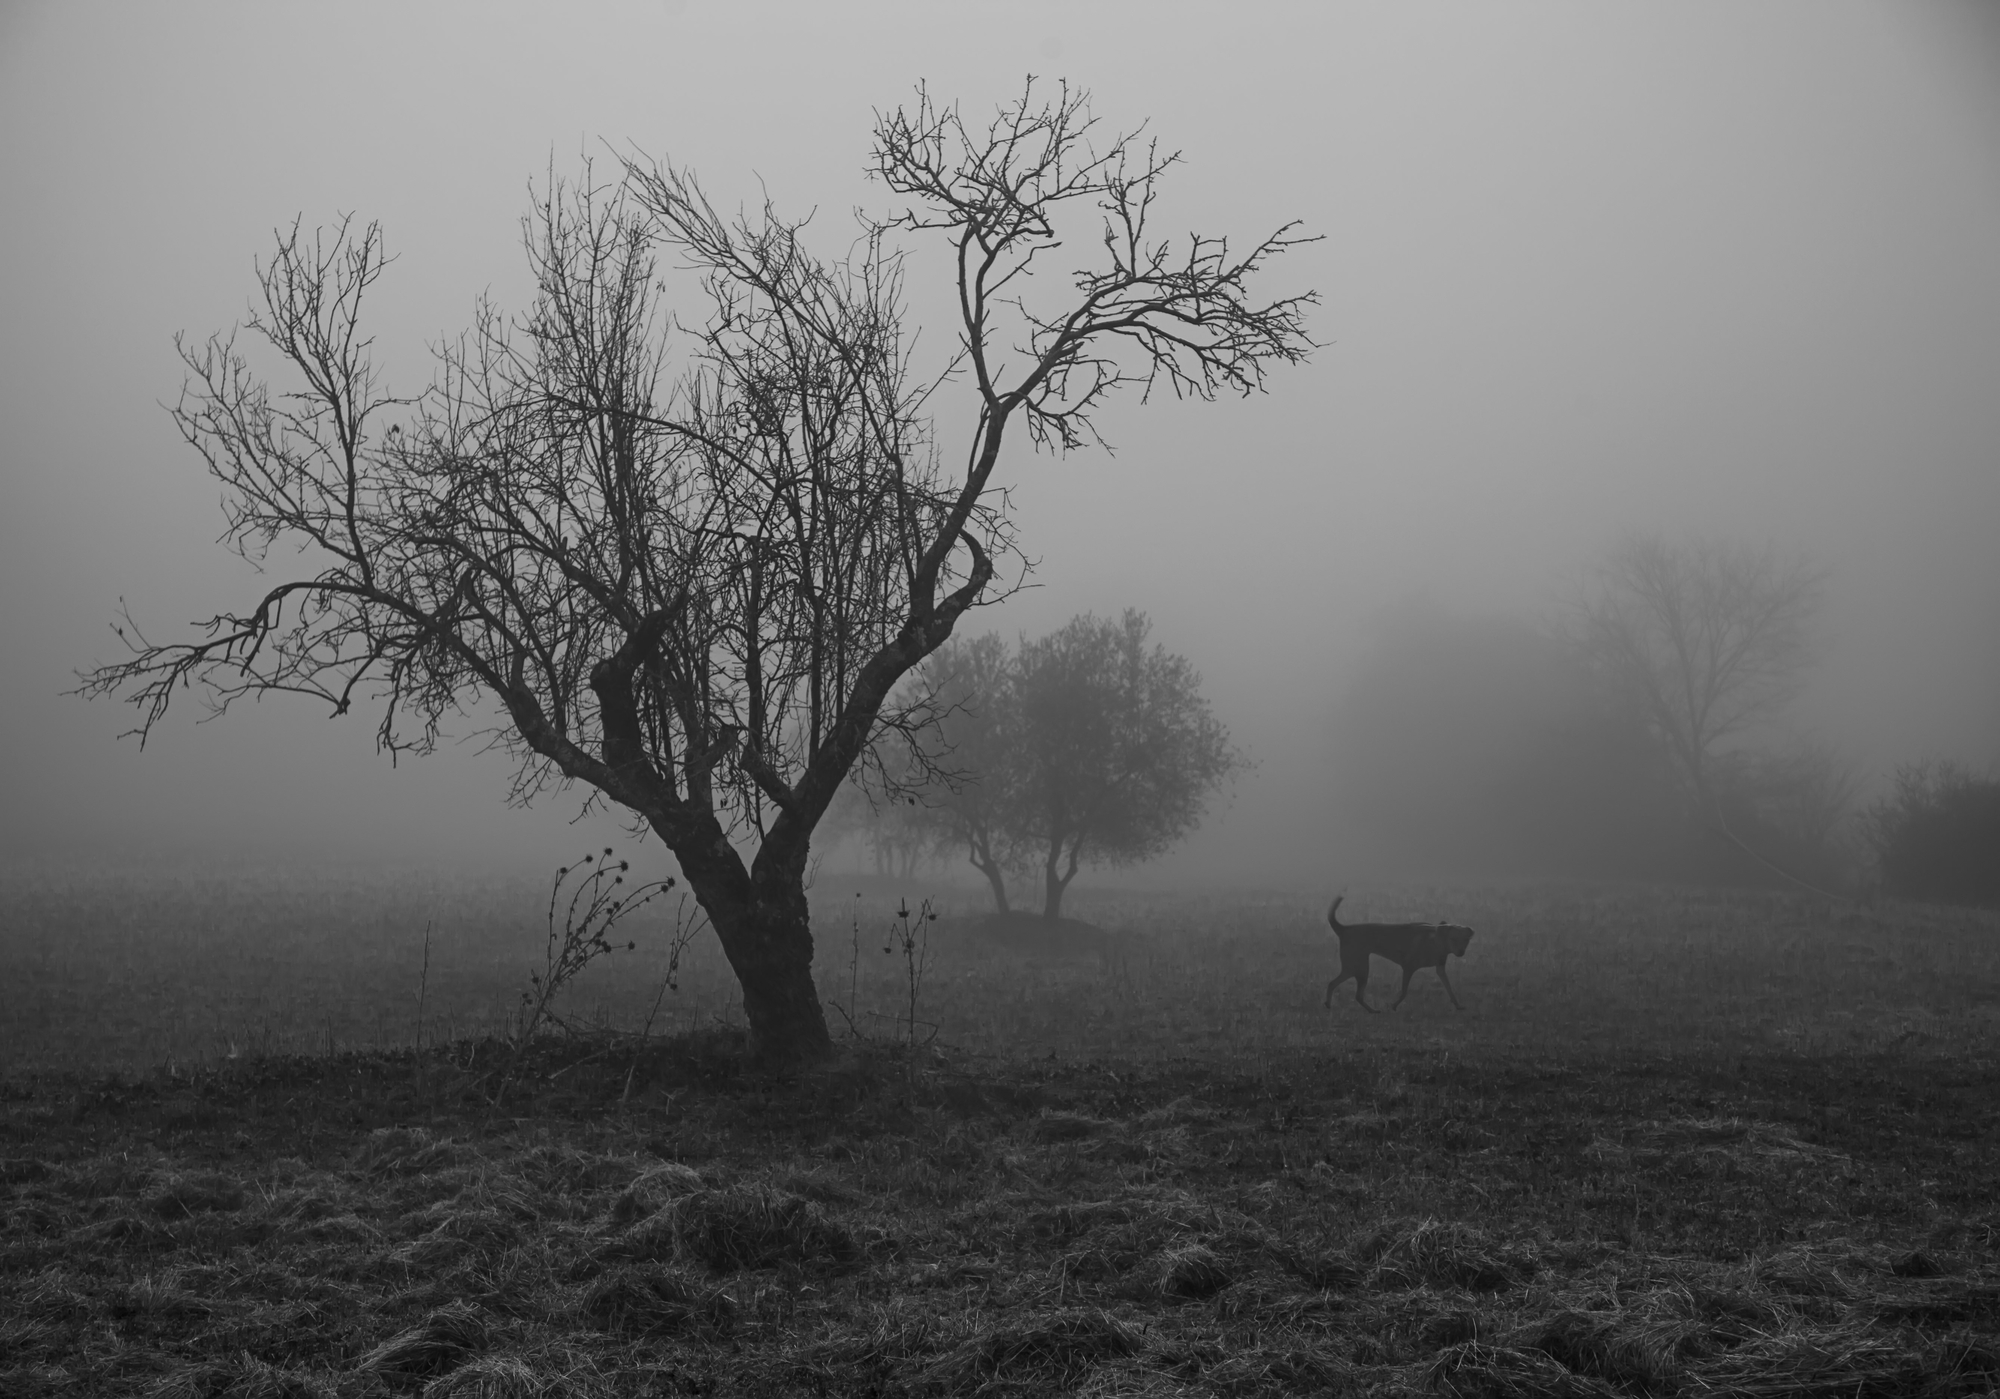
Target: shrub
[1936, 836]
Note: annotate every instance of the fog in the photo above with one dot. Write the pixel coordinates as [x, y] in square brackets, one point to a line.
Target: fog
[1709, 270]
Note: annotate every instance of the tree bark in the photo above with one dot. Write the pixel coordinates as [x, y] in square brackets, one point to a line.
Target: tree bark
[1056, 878]
[999, 883]
[770, 948]
[764, 925]
[983, 861]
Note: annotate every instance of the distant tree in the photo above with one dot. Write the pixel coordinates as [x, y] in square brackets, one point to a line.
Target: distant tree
[886, 824]
[1936, 836]
[971, 750]
[1089, 748]
[1794, 804]
[692, 592]
[1709, 639]
[1479, 745]
[1710, 642]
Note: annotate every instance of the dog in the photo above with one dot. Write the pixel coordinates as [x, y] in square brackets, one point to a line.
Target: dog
[1410, 946]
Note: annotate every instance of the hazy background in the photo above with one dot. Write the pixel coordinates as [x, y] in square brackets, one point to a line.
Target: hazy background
[1706, 268]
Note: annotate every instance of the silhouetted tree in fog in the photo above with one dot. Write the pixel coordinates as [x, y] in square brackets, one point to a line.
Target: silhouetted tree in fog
[1116, 750]
[896, 835]
[1709, 639]
[1085, 747]
[972, 793]
[1936, 835]
[1480, 746]
[691, 585]
[1710, 642]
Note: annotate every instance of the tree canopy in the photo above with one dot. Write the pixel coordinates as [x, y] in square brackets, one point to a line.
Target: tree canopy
[1086, 746]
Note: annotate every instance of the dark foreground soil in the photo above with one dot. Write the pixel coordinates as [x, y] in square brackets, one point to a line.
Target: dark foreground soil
[660, 1221]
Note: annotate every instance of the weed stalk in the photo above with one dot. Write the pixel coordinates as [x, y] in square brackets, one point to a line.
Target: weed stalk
[597, 902]
[910, 934]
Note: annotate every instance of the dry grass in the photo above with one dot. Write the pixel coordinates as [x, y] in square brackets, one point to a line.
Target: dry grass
[1680, 1145]
[132, 972]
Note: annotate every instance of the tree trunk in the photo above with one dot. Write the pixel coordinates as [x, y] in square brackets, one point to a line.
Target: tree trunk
[1056, 878]
[765, 928]
[981, 853]
[770, 948]
[999, 883]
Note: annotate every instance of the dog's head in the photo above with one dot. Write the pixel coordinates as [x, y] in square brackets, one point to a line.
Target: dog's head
[1456, 937]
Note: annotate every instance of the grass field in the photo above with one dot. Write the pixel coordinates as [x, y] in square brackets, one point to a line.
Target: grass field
[1679, 1143]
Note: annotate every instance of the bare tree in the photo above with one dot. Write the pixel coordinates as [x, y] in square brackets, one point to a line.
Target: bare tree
[889, 827]
[692, 592]
[1805, 792]
[1709, 639]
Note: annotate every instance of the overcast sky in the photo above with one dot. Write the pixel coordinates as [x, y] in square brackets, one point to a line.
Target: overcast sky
[1706, 268]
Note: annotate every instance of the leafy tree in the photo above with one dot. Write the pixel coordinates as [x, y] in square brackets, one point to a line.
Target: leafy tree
[1086, 747]
[966, 756]
[689, 583]
[1119, 750]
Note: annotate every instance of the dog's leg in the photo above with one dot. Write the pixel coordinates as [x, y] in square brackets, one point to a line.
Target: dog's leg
[1447, 988]
[1344, 974]
[1408, 972]
[1361, 985]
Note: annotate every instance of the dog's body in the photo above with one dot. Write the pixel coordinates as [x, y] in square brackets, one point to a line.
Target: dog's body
[1410, 946]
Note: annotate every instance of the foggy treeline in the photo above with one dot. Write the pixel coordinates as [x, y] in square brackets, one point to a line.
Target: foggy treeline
[1482, 745]
[1647, 728]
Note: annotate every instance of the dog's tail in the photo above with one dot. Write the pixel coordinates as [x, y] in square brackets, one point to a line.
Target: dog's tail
[1332, 914]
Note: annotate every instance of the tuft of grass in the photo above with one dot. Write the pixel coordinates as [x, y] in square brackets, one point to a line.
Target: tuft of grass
[435, 1346]
[1323, 1272]
[651, 1300]
[243, 1379]
[1478, 1370]
[751, 1227]
[183, 1196]
[655, 1189]
[1193, 1270]
[408, 1151]
[1434, 1253]
[496, 1377]
[1600, 1346]
[1833, 1361]
[1039, 1357]
[1059, 1126]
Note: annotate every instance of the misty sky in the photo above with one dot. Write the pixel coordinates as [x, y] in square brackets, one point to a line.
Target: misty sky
[1703, 268]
